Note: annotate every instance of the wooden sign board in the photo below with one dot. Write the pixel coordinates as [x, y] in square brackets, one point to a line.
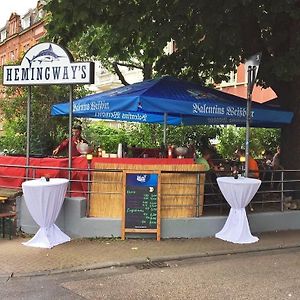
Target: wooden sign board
[141, 203]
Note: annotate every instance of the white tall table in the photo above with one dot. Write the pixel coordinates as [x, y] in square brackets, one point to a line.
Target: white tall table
[238, 193]
[44, 200]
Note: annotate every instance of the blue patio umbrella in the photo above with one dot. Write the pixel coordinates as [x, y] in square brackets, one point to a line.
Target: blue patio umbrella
[168, 100]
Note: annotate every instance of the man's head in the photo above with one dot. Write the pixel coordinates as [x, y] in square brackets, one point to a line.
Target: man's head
[239, 152]
[76, 130]
[268, 155]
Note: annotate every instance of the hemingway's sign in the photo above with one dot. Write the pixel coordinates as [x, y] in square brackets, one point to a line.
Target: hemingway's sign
[48, 63]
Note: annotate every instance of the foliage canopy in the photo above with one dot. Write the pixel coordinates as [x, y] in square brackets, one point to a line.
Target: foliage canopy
[212, 38]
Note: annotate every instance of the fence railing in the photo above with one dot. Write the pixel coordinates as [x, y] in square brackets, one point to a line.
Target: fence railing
[279, 190]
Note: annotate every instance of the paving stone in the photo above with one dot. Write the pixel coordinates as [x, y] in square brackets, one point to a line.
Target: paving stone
[90, 253]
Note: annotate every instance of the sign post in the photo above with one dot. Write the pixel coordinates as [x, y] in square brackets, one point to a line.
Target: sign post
[252, 65]
[70, 131]
[47, 64]
[28, 110]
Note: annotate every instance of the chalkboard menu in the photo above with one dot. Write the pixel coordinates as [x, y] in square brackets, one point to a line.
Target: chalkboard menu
[141, 202]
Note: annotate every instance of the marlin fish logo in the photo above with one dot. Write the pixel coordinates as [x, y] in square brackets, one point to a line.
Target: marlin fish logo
[46, 55]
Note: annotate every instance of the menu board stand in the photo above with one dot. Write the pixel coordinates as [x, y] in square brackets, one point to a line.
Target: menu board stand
[141, 203]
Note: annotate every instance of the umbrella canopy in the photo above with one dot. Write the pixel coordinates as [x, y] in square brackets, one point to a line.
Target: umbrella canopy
[184, 103]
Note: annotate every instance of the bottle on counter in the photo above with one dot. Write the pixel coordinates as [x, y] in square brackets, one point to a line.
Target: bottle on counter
[162, 152]
[235, 172]
[120, 151]
[125, 150]
[170, 151]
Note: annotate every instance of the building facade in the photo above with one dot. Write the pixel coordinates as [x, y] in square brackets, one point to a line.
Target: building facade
[237, 85]
[20, 33]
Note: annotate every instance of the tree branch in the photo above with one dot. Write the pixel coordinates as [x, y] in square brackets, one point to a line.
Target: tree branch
[129, 65]
[119, 73]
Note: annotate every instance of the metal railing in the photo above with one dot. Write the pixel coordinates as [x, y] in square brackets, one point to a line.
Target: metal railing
[279, 191]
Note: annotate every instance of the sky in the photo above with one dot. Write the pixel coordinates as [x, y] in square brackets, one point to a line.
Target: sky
[21, 7]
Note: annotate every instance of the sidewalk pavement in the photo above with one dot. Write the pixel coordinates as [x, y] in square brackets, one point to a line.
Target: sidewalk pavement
[85, 254]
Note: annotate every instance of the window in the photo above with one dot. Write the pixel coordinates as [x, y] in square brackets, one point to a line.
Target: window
[13, 28]
[41, 14]
[232, 77]
[3, 35]
[38, 15]
[232, 80]
[25, 22]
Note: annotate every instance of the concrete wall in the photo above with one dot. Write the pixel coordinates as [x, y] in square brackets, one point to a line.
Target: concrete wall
[73, 222]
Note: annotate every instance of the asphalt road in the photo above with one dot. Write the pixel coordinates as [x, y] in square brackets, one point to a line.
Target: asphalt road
[262, 275]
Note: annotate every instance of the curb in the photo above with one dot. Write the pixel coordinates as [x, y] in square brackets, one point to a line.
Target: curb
[138, 261]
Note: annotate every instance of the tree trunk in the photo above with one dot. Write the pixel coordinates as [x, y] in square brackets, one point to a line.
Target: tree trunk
[147, 71]
[289, 96]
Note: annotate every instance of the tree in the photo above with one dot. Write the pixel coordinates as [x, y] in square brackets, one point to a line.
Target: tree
[212, 37]
[99, 43]
[199, 136]
[148, 135]
[103, 40]
[99, 134]
[233, 30]
[46, 131]
[232, 138]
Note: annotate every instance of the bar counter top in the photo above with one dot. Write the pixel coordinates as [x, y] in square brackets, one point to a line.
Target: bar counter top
[13, 171]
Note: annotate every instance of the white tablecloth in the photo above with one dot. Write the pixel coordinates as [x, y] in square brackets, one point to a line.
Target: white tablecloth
[238, 193]
[44, 200]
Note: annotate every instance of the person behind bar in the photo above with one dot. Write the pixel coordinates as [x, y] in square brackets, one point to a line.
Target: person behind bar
[76, 139]
[206, 160]
[252, 163]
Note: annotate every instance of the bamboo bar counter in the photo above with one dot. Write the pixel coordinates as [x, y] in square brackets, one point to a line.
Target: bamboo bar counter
[182, 194]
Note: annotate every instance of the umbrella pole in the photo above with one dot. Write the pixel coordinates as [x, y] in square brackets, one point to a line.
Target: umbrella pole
[165, 129]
